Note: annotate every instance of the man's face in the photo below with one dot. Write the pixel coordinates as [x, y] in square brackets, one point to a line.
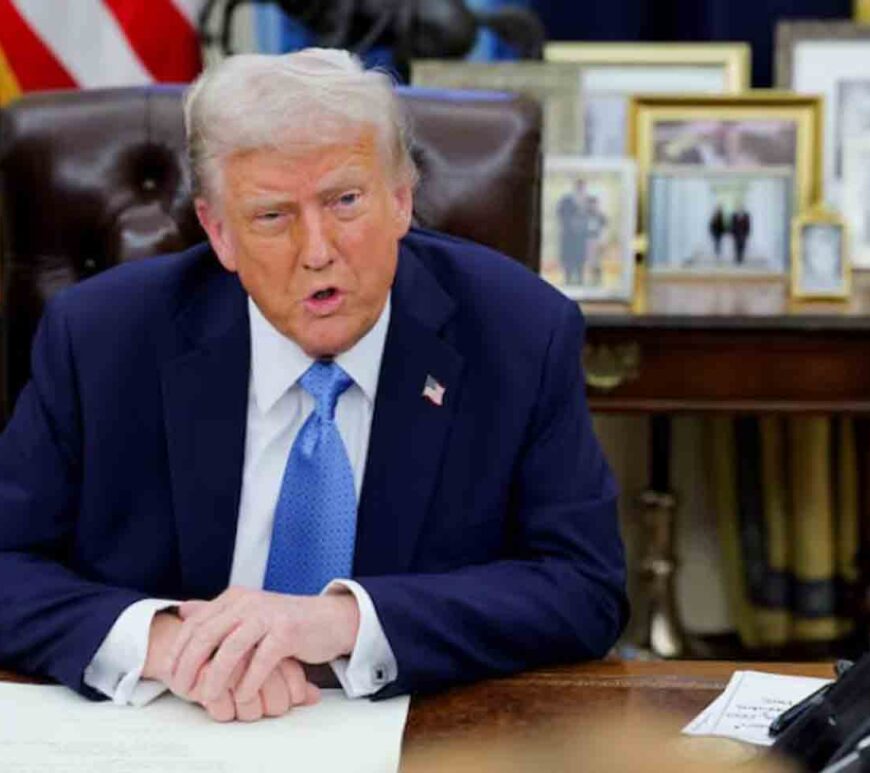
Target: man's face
[313, 234]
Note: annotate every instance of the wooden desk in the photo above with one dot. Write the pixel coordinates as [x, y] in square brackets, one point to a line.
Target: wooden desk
[729, 345]
[674, 690]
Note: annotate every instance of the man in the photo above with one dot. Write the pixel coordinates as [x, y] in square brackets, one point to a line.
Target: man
[573, 236]
[596, 226]
[741, 227]
[213, 443]
[717, 230]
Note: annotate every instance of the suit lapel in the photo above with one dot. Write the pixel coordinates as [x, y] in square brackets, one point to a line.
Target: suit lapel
[408, 431]
[205, 393]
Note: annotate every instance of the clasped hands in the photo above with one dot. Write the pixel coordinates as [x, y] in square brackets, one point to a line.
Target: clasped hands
[240, 655]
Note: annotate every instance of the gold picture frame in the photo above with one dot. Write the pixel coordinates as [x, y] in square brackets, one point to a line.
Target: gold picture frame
[735, 59]
[609, 74]
[820, 269]
[650, 114]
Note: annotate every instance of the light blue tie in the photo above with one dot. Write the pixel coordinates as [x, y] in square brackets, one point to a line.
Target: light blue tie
[315, 519]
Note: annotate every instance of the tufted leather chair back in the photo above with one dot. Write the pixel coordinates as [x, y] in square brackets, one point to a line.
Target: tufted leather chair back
[90, 179]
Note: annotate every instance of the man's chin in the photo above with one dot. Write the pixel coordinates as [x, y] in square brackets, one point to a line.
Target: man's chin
[329, 343]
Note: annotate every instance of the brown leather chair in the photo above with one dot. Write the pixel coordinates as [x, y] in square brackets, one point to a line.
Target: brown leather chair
[89, 179]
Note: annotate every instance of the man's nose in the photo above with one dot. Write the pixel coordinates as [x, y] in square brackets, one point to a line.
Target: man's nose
[315, 250]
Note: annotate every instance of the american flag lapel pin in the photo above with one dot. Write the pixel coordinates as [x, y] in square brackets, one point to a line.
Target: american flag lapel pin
[433, 391]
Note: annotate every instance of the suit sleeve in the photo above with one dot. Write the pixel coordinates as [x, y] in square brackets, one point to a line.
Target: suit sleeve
[561, 595]
[52, 620]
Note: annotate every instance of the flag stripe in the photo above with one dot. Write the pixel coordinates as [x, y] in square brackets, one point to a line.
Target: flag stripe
[36, 67]
[162, 38]
[87, 40]
[190, 10]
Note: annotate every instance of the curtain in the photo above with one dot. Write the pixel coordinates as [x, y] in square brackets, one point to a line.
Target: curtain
[786, 497]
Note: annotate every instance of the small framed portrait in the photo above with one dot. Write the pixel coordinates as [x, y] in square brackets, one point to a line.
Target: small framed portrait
[820, 262]
[855, 199]
[748, 132]
[831, 58]
[611, 72]
[554, 84]
[719, 222]
[588, 213]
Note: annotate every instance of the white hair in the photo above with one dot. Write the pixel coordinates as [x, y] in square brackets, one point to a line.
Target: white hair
[315, 96]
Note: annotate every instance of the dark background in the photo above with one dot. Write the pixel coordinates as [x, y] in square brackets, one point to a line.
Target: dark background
[751, 21]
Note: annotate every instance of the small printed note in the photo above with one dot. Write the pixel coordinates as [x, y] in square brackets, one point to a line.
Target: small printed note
[749, 703]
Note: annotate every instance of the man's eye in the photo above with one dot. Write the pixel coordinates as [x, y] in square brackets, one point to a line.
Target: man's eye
[268, 216]
[348, 199]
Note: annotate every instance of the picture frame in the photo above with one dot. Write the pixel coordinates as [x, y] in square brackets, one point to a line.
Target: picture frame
[588, 212]
[830, 58]
[555, 85]
[610, 73]
[720, 222]
[855, 200]
[820, 266]
[755, 130]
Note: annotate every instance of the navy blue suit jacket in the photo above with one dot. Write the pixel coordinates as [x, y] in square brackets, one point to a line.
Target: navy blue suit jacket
[487, 532]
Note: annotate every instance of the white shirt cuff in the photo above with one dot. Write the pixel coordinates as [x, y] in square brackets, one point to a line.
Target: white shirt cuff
[371, 665]
[117, 666]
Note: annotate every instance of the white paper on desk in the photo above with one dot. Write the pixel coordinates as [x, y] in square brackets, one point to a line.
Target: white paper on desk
[750, 702]
[52, 729]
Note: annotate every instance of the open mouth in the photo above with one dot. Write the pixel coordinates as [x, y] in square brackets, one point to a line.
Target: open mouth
[324, 302]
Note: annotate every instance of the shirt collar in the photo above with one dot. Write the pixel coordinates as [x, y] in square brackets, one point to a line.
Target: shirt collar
[277, 362]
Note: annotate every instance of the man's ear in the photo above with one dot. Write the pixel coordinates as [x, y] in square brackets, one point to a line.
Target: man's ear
[403, 195]
[213, 224]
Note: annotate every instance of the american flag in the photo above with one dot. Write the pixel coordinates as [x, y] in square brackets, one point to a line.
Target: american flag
[433, 391]
[51, 44]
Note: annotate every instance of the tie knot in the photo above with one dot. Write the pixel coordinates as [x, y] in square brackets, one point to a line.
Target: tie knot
[325, 381]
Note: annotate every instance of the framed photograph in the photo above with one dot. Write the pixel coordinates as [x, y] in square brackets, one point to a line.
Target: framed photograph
[555, 85]
[855, 199]
[820, 262]
[720, 222]
[588, 216]
[752, 131]
[610, 73]
[831, 58]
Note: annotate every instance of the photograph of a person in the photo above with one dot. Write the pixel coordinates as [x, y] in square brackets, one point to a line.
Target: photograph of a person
[719, 222]
[588, 220]
[725, 144]
[820, 267]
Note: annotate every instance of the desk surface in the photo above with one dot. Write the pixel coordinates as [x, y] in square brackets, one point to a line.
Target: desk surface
[674, 691]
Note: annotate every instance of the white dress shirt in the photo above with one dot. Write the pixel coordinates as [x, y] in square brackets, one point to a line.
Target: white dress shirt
[277, 408]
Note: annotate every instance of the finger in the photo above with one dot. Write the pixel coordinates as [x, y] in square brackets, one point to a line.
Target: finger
[312, 694]
[235, 649]
[294, 677]
[204, 639]
[221, 710]
[266, 658]
[207, 610]
[249, 711]
[275, 695]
